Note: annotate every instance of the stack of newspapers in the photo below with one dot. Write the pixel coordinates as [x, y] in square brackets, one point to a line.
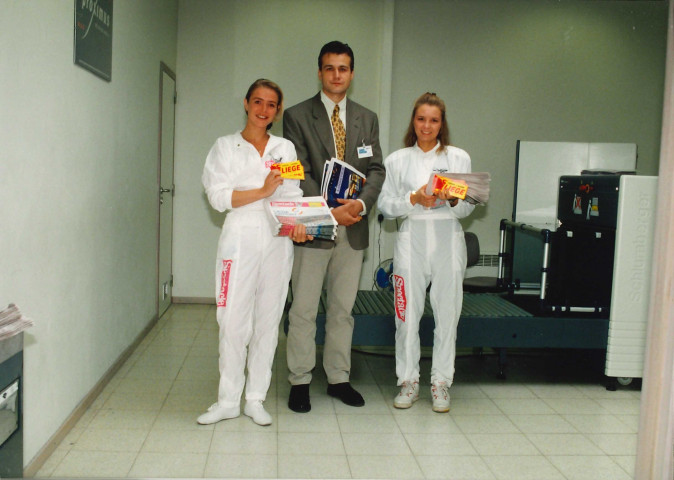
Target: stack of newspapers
[12, 322]
[471, 187]
[340, 180]
[313, 212]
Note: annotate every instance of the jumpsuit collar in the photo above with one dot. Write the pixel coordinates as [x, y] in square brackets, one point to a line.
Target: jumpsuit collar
[271, 143]
[432, 150]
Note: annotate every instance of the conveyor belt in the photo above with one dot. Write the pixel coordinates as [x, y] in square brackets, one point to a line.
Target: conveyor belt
[489, 305]
[376, 303]
[487, 320]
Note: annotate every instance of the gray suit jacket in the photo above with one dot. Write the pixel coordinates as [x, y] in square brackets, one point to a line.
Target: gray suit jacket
[307, 125]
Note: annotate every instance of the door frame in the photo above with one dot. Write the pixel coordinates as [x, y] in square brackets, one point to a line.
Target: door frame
[163, 69]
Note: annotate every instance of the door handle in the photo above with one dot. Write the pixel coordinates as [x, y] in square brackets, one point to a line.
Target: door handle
[163, 190]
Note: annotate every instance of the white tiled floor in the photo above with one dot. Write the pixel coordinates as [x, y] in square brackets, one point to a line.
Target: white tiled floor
[551, 419]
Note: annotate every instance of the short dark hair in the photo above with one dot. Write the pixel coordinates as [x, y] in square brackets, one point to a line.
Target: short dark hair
[336, 47]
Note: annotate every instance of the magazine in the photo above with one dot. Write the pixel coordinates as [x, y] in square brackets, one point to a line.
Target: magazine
[340, 180]
[313, 212]
[471, 187]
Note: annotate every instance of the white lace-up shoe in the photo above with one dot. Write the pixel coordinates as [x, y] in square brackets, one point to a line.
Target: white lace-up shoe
[216, 412]
[440, 396]
[256, 411]
[409, 393]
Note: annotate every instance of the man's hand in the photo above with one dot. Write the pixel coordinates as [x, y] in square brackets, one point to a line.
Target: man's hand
[348, 212]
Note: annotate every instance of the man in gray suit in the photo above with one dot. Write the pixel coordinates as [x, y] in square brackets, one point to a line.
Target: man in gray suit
[316, 127]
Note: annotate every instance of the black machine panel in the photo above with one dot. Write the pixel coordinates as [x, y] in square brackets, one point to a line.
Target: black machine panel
[581, 268]
[583, 247]
[588, 200]
[11, 430]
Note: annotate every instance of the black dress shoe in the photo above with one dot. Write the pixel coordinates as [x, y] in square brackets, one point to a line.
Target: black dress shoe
[299, 398]
[346, 393]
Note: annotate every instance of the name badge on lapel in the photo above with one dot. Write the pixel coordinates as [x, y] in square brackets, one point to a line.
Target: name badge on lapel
[364, 151]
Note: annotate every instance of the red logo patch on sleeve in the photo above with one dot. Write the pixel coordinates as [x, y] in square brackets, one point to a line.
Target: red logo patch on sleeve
[224, 282]
[401, 299]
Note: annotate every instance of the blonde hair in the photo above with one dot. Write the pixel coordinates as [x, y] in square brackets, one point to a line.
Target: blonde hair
[263, 82]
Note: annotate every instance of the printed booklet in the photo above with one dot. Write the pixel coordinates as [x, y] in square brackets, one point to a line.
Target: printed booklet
[340, 180]
[310, 211]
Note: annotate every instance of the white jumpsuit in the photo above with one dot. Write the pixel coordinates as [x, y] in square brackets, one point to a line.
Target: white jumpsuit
[252, 267]
[429, 247]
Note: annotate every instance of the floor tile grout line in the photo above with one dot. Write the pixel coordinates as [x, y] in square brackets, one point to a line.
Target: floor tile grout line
[173, 380]
[140, 449]
[207, 317]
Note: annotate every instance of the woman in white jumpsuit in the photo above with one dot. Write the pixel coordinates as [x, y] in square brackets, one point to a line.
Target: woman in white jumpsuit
[429, 248]
[253, 266]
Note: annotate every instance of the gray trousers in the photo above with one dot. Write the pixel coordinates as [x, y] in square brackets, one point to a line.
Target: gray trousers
[339, 267]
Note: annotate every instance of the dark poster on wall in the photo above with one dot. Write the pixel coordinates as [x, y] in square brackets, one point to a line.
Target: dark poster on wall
[93, 36]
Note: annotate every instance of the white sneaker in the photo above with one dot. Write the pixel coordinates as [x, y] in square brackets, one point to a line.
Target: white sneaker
[256, 411]
[440, 396]
[409, 393]
[216, 412]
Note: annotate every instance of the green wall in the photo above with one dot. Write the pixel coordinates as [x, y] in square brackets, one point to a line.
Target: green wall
[568, 71]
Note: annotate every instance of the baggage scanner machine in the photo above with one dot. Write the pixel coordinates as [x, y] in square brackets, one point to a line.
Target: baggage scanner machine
[598, 261]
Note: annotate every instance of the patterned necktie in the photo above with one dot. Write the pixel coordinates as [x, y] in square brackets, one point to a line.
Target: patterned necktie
[340, 133]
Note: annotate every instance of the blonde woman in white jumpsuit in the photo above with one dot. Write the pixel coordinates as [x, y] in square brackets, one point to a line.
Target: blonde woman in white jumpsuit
[253, 266]
[429, 248]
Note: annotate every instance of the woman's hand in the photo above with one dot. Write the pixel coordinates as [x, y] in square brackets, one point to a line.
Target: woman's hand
[271, 183]
[420, 197]
[299, 234]
[244, 197]
[445, 195]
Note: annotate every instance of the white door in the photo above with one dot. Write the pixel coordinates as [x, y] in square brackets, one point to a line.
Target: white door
[166, 188]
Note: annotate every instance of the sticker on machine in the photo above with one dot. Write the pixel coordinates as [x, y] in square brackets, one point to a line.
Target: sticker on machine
[577, 205]
[401, 299]
[594, 209]
[224, 282]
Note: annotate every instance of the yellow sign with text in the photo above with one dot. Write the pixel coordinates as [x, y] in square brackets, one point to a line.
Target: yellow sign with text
[456, 188]
[292, 170]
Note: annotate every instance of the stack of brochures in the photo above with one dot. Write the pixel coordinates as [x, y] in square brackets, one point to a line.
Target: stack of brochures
[340, 180]
[313, 212]
[471, 187]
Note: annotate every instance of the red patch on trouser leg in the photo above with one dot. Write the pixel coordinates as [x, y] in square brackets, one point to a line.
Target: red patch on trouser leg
[401, 299]
[224, 282]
